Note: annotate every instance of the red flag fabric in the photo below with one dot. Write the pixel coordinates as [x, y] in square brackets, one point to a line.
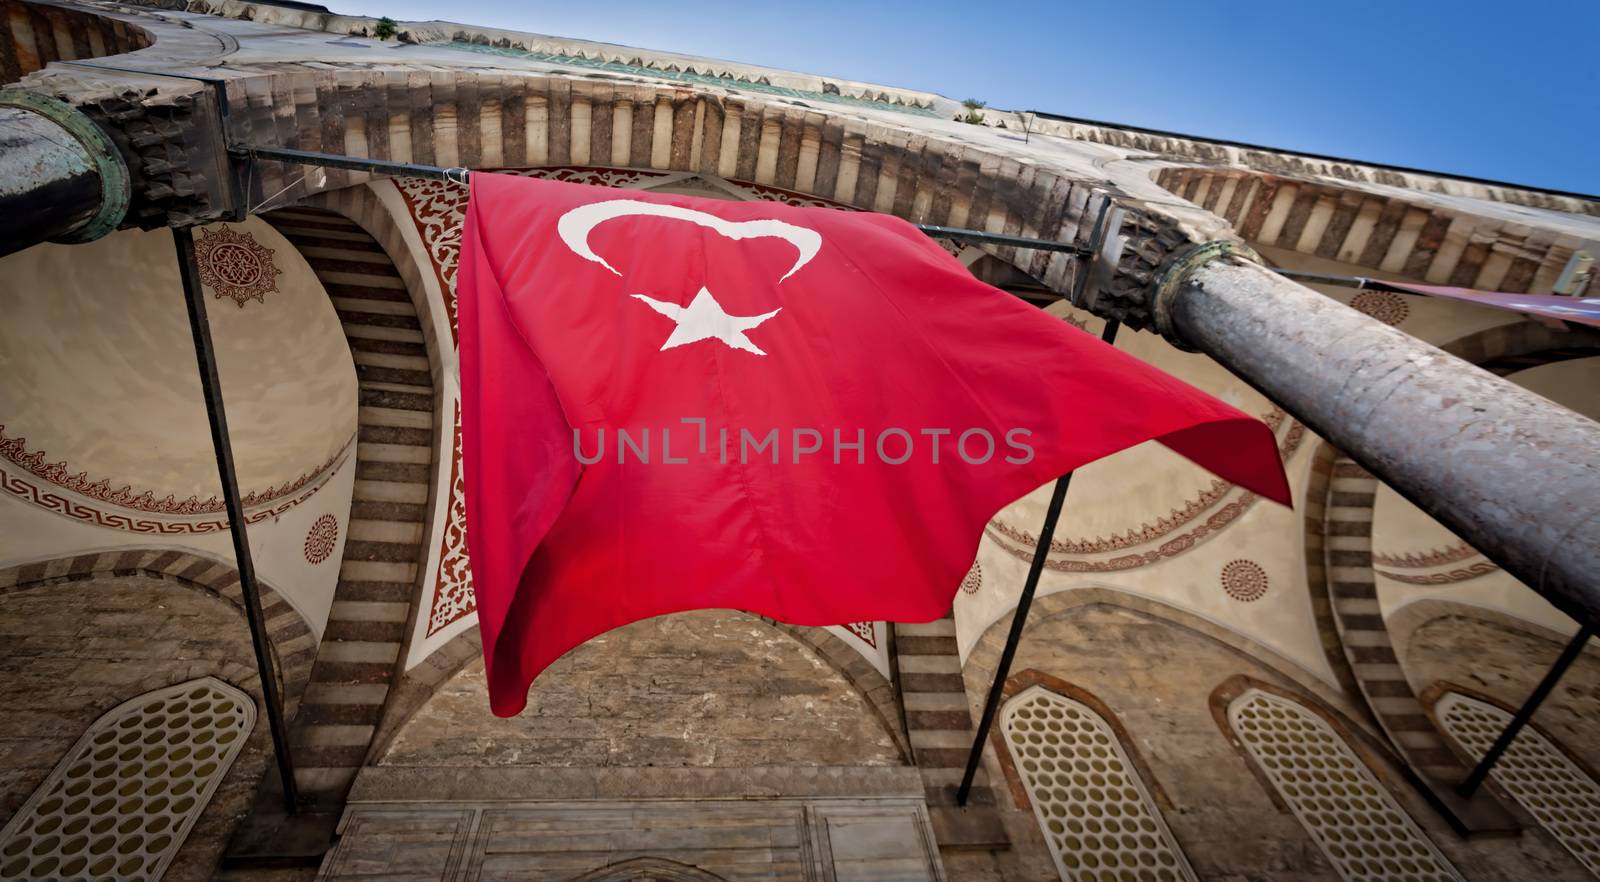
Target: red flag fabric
[674, 403]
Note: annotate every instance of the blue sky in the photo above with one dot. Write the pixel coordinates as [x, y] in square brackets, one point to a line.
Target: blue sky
[1508, 91]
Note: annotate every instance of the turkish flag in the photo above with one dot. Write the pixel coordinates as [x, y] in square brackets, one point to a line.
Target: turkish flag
[625, 355]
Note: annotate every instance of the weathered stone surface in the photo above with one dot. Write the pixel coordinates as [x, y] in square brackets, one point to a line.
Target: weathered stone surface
[1505, 664]
[707, 688]
[71, 651]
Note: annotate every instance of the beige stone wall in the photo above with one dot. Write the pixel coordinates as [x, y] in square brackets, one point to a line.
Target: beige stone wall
[704, 688]
[1157, 678]
[71, 651]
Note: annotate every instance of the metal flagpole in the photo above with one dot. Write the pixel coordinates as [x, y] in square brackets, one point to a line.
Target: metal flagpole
[1470, 785]
[211, 388]
[1019, 620]
[1047, 532]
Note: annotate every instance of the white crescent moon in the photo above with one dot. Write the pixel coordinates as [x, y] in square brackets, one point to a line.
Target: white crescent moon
[575, 225]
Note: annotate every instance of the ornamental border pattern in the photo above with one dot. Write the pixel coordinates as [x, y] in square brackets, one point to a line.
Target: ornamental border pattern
[72, 505]
[1005, 536]
[453, 597]
[15, 450]
[1450, 577]
[1433, 557]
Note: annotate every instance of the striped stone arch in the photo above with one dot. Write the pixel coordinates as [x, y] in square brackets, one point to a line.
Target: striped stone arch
[1338, 529]
[381, 305]
[1382, 229]
[481, 119]
[293, 643]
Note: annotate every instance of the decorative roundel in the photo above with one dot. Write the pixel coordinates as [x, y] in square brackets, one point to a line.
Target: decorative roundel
[1386, 307]
[1244, 580]
[320, 539]
[235, 265]
[973, 580]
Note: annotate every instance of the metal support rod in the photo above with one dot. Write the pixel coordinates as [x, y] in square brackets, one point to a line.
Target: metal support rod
[460, 175]
[1019, 619]
[1525, 713]
[211, 388]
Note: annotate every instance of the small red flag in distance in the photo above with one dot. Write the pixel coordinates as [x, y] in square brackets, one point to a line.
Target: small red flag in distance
[672, 403]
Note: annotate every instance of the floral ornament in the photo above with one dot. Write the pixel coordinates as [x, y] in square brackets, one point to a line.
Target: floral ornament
[320, 539]
[235, 265]
[1244, 581]
[973, 580]
[1391, 309]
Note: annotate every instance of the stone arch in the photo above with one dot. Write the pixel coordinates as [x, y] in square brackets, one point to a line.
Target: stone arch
[1507, 349]
[39, 33]
[1351, 586]
[398, 367]
[980, 664]
[479, 119]
[419, 685]
[648, 869]
[293, 643]
[1384, 229]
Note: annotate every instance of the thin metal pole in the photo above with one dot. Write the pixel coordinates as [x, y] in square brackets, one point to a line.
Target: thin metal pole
[1019, 620]
[1525, 713]
[211, 388]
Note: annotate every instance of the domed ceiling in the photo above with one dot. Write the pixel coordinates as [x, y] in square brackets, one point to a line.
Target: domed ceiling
[101, 415]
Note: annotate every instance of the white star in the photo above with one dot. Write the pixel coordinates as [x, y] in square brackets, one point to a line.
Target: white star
[704, 319]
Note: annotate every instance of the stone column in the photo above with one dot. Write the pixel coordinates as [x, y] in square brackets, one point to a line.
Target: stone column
[61, 177]
[1510, 472]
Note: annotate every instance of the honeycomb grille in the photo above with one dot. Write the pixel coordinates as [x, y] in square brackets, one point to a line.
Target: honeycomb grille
[1553, 788]
[1097, 816]
[122, 801]
[1365, 834]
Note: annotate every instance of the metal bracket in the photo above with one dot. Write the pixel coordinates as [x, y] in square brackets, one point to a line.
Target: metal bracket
[115, 186]
[1176, 272]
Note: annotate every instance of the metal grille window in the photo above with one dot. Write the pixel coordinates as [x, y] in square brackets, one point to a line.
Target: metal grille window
[1097, 816]
[1365, 834]
[1553, 788]
[128, 792]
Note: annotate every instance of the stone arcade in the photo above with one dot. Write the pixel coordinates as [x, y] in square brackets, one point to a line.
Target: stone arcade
[1210, 687]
